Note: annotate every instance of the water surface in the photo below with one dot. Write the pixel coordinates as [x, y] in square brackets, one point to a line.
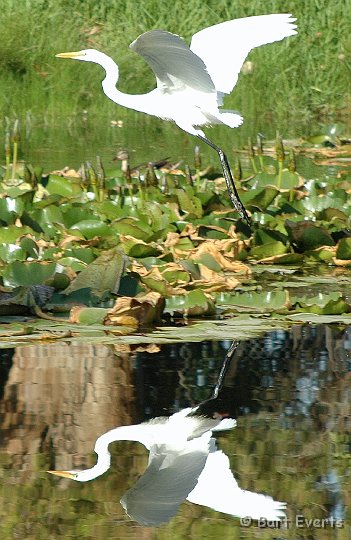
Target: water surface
[289, 390]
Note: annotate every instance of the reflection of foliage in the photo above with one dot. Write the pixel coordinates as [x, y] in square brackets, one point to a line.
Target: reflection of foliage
[266, 459]
[83, 231]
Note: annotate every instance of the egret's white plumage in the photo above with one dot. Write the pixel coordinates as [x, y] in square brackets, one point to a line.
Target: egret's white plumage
[191, 81]
[184, 463]
[238, 37]
[194, 77]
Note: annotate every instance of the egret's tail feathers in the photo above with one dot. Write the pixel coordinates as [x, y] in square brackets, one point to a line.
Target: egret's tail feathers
[226, 423]
[230, 118]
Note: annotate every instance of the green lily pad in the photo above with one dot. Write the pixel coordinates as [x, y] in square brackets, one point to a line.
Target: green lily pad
[255, 301]
[109, 209]
[131, 226]
[208, 260]
[321, 254]
[30, 247]
[185, 244]
[91, 315]
[260, 199]
[135, 247]
[323, 304]
[190, 204]
[25, 273]
[175, 275]
[333, 307]
[268, 250]
[74, 213]
[49, 215]
[263, 236]
[91, 228]
[10, 209]
[11, 233]
[193, 304]
[343, 250]
[73, 263]
[12, 252]
[102, 275]
[66, 187]
[84, 254]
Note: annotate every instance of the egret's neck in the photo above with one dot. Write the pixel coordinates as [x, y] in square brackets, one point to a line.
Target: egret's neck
[136, 102]
[142, 433]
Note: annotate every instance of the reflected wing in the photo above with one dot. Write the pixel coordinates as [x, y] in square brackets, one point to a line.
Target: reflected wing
[218, 489]
[167, 481]
[173, 63]
[225, 46]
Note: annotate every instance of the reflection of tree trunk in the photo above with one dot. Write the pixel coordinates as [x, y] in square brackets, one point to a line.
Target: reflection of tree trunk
[65, 396]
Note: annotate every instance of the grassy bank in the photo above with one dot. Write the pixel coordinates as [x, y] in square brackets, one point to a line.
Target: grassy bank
[302, 77]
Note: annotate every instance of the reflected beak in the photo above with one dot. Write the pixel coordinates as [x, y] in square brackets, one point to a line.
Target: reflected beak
[64, 474]
[69, 54]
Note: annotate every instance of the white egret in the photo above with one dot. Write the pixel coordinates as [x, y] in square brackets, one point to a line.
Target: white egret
[184, 463]
[191, 81]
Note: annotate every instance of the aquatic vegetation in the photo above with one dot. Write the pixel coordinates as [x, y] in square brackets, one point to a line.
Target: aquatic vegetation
[84, 238]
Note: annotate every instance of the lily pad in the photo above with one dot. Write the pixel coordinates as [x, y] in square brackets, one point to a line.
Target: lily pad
[66, 187]
[268, 250]
[24, 273]
[91, 228]
[193, 304]
[10, 209]
[103, 274]
[255, 301]
[12, 252]
[343, 250]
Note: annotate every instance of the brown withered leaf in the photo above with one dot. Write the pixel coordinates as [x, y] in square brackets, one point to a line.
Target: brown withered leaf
[154, 280]
[66, 172]
[69, 239]
[211, 281]
[213, 249]
[341, 262]
[143, 308]
[191, 230]
[128, 348]
[171, 240]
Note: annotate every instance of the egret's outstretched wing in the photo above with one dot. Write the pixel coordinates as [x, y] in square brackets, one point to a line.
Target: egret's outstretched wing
[224, 46]
[218, 489]
[173, 63]
[167, 481]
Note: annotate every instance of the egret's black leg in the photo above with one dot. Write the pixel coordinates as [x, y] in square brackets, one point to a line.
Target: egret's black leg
[232, 191]
[225, 366]
[218, 402]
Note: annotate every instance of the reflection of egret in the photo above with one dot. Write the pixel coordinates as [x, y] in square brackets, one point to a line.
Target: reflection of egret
[184, 463]
[191, 82]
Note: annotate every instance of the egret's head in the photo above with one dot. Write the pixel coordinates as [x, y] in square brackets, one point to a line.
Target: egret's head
[87, 55]
[79, 476]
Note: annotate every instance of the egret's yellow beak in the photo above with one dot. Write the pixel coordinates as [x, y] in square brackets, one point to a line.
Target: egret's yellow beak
[70, 54]
[64, 474]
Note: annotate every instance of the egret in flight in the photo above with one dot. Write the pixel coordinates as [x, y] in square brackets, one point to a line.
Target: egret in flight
[192, 81]
[184, 463]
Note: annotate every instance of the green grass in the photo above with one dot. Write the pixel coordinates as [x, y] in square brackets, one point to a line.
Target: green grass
[304, 77]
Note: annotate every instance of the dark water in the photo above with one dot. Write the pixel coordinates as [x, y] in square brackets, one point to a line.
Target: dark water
[289, 390]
